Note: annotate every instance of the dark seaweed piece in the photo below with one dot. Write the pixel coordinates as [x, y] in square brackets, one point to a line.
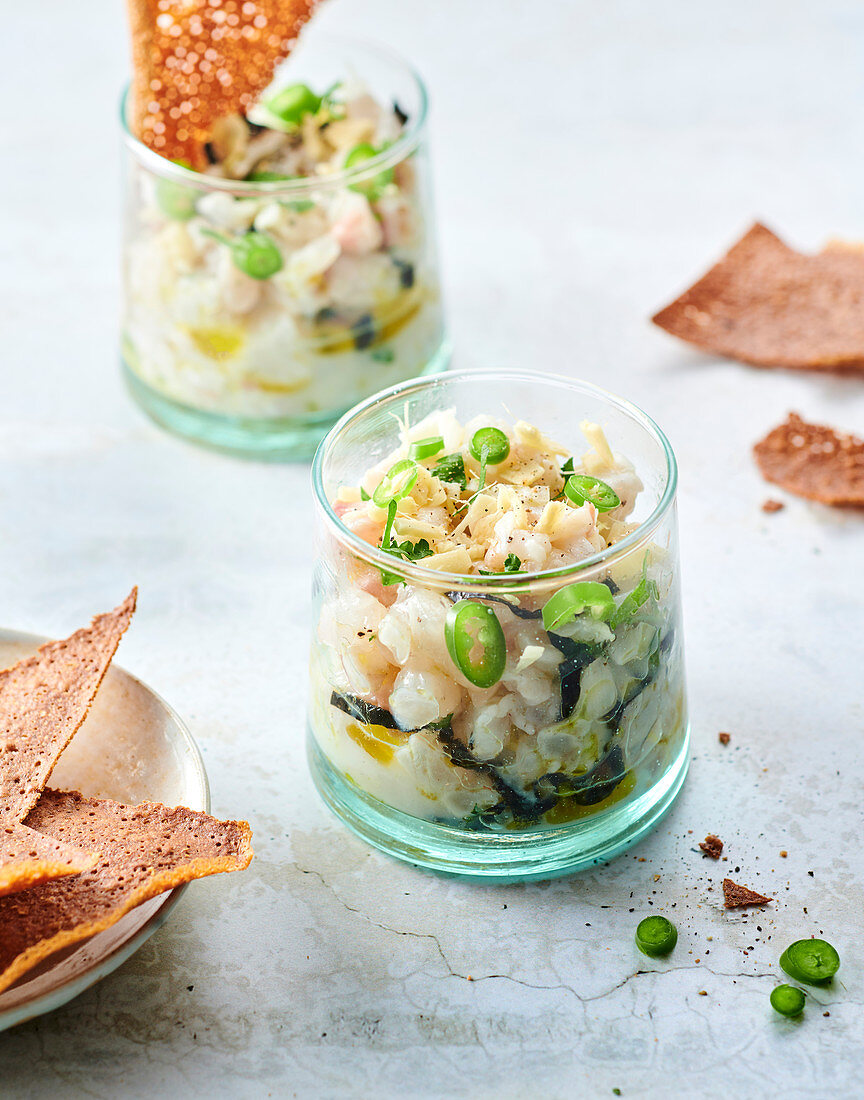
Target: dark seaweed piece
[399, 113]
[588, 789]
[406, 273]
[611, 585]
[667, 640]
[519, 612]
[364, 331]
[364, 712]
[570, 671]
[210, 153]
[328, 313]
[255, 128]
[462, 757]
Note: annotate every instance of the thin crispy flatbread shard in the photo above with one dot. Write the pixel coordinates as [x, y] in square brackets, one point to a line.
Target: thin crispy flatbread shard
[814, 461]
[28, 858]
[43, 701]
[736, 896]
[770, 306]
[146, 850]
[195, 61]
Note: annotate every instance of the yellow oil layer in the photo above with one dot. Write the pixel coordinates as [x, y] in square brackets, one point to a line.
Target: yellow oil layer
[377, 741]
[268, 385]
[337, 337]
[217, 341]
[568, 809]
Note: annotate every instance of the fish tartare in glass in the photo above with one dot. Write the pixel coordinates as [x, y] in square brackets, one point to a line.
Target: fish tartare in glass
[485, 678]
[292, 277]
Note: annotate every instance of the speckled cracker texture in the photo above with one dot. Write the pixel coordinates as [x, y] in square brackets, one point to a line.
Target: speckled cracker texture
[770, 306]
[43, 701]
[145, 850]
[814, 461]
[194, 61]
[28, 858]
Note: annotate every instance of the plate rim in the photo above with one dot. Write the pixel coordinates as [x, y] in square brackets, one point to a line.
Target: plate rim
[61, 995]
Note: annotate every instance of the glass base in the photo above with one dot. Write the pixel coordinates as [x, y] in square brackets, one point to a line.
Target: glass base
[499, 857]
[277, 439]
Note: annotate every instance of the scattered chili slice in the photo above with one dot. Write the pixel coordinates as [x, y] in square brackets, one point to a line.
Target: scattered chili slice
[656, 936]
[489, 445]
[580, 488]
[787, 1000]
[812, 961]
[475, 642]
[568, 602]
[396, 483]
[426, 448]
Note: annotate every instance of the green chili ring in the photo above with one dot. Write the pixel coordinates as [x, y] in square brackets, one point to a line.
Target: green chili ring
[579, 488]
[812, 961]
[396, 483]
[787, 1000]
[426, 448]
[656, 936]
[475, 642]
[568, 602]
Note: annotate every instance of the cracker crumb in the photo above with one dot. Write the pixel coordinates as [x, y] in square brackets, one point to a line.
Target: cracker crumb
[712, 846]
[736, 896]
[784, 854]
[772, 505]
[724, 738]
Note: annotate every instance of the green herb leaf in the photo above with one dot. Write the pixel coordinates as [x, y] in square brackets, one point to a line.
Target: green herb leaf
[512, 564]
[451, 468]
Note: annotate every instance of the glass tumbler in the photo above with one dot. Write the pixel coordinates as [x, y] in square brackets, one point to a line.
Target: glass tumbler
[265, 366]
[586, 760]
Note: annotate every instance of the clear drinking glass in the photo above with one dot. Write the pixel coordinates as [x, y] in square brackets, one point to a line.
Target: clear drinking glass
[265, 367]
[553, 799]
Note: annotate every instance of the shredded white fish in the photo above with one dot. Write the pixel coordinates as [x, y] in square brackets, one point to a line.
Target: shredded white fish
[517, 520]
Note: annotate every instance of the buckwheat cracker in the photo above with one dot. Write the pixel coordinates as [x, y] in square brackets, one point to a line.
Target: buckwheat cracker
[145, 850]
[814, 461]
[43, 701]
[735, 896]
[770, 306]
[195, 61]
[28, 858]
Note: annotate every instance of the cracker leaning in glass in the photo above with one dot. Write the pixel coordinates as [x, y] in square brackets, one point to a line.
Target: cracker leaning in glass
[497, 676]
[295, 273]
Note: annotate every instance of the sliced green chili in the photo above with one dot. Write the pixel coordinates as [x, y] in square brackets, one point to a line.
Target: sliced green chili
[579, 488]
[255, 254]
[396, 483]
[567, 603]
[426, 448]
[787, 1000]
[489, 446]
[371, 188]
[475, 642]
[291, 104]
[812, 961]
[176, 201]
[656, 936]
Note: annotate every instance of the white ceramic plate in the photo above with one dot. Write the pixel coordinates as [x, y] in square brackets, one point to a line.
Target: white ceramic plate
[131, 747]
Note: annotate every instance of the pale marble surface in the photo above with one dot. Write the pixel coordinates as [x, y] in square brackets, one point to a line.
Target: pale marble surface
[590, 159]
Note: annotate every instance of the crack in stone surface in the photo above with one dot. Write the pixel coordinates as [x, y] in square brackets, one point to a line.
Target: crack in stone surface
[562, 986]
